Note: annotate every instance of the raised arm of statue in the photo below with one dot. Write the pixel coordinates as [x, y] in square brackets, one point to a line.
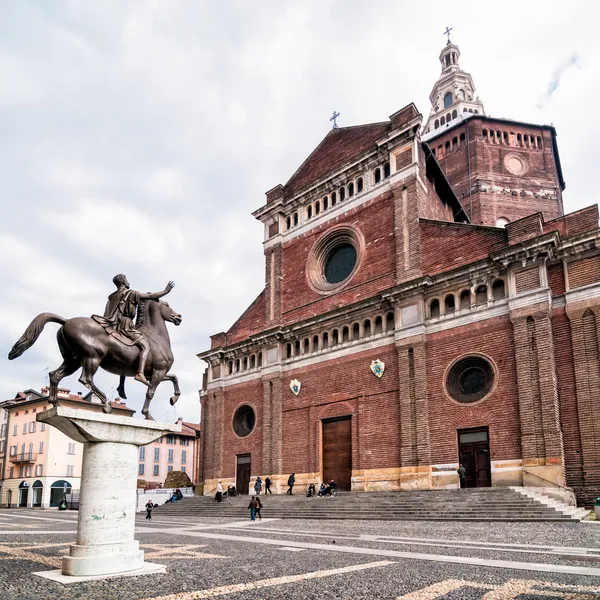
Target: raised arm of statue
[157, 295]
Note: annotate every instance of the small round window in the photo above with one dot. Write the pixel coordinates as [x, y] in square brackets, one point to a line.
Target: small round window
[340, 263]
[470, 379]
[244, 420]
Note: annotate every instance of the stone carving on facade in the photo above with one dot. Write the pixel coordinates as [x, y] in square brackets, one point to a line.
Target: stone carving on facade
[378, 368]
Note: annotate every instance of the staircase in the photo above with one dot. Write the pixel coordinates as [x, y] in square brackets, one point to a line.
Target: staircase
[479, 504]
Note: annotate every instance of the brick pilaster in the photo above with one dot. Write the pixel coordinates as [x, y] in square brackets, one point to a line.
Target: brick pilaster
[267, 441]
[276, 426]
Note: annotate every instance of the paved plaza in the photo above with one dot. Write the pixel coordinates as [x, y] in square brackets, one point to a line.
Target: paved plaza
[310, 559]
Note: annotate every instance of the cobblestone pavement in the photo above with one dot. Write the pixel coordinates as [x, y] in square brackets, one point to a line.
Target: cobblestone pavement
[315, 559]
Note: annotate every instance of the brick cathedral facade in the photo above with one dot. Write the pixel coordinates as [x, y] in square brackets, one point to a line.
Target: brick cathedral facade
[426, 302]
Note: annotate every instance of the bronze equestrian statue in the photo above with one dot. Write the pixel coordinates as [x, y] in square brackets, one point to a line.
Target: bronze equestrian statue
[113, 342]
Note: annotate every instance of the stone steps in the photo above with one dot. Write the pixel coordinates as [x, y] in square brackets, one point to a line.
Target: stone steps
[492, 504]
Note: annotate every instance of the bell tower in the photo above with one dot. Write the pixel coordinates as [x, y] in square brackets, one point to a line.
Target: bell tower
[453, 94]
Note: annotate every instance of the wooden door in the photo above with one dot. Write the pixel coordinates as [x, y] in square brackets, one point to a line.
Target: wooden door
[474, 455]
[337, 452]
[242, 477]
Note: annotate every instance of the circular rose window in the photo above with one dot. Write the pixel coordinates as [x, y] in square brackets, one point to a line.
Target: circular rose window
[515, 164]
[244, 420]
[334, 259]
[470, 379]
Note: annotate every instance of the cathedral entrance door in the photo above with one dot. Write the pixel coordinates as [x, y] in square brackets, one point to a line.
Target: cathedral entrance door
[337, 451]
[242, 476]
[474, 455]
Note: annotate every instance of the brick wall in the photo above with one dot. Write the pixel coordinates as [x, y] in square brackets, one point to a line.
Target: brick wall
[528, 279]
[584, 272]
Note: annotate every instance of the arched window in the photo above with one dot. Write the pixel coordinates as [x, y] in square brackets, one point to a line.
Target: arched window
[359, 185]
[434, 308]
[448, 118]
[260, 359]
[315, 344]
[461, 94]
[306, 346]
[481, 295]
[296, 347]
[449, 303]
[539, 142]
[465, 299]
[454, 143]
[367, 328]
[325, 340]
[447, 145]
[498, 289]
[335, 340]
[462, 137]
[295, 219]
[454, 114]
[484, 135]
[377, 175]
[443, 121]
[475, 111]
[288, 222]
[325, 203]
[244, 363]
[342, 194]
[229, 367]
[378, 325]
[252, 361]
[333, 198]
[288, 351]
[390, 322]
[345, 334]
[309, 211]
[519, 140]
[498, 137]
[317, 207]
[386, 169]
[436, 124]
[237, 365]
[447, 99]
[355, 331]
[350, 189]
[465, 110]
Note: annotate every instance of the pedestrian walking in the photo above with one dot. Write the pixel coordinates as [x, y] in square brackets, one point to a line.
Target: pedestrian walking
[462, 475]
[149, 507]
[258, 486]
[252, 506]
[291, 482]
[268, 486]
[258, 507]
[219, 496]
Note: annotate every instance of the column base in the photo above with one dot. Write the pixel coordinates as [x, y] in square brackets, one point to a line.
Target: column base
[57, 575]
[103, 559]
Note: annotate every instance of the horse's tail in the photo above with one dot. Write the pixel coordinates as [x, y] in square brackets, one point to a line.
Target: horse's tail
[32, 333]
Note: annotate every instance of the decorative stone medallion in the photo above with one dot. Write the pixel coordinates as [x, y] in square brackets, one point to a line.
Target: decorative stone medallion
[295, 386]
[515, 164]
[378, 367]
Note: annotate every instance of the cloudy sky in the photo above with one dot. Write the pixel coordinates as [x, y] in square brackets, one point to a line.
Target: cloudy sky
[138, 136]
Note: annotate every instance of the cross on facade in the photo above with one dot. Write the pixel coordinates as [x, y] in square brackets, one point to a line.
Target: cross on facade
[447, 32]
[333, 118]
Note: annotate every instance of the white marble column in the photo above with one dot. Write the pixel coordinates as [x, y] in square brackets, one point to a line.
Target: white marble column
[107, 501]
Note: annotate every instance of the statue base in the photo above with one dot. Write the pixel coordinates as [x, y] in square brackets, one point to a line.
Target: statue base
[105, 544]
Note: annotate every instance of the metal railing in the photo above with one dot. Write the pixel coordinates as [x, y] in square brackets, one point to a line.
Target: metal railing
[23, 457]
[552, 483]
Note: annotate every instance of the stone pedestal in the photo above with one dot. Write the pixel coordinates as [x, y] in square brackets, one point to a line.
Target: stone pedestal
[108, 495]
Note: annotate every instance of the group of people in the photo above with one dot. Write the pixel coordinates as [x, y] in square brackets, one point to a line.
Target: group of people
[325, 489]
[258, 486]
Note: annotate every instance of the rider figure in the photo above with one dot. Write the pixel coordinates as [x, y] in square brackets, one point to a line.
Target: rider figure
[119, 315]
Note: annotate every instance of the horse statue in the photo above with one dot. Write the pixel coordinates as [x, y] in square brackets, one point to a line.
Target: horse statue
[83, 342]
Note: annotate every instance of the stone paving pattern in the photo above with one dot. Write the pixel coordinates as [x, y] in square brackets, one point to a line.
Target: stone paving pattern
[243, 569]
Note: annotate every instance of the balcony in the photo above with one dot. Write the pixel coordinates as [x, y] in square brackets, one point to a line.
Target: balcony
[23, 457]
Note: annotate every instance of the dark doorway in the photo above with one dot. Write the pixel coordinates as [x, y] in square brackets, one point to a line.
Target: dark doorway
[23, 494]
[337, 452]
[242, 476]
[474, 455]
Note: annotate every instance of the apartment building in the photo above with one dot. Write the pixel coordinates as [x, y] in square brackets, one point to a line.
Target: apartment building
[176, 452]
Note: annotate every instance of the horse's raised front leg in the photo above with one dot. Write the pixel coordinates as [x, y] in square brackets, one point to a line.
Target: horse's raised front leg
[90, 366]
[121, 388]
[157, 377]
[176, 391]
[66, 369]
